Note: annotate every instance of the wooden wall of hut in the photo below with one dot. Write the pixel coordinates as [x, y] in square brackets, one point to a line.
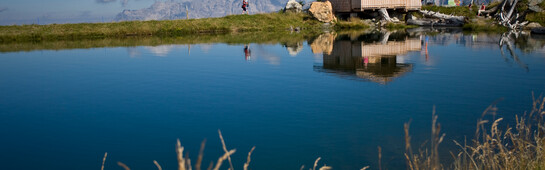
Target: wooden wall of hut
[361, 5]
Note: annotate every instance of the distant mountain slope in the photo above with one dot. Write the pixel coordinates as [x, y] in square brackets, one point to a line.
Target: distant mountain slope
[167, 10]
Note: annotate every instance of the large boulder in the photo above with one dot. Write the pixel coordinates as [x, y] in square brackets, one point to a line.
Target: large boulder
[323, 11]
[533, 5]
[293, 6]
[532, 26]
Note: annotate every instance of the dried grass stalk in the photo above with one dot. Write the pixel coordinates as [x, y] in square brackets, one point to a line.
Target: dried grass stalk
[248, 159]
[316, 163]
[325, 167]
[201, 154]
[179, 153]
[121, 164]
[225, 150]
[222, 158]
[157, 165]
[104, 160]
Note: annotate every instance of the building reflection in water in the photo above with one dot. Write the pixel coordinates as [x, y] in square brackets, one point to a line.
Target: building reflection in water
[369, 56]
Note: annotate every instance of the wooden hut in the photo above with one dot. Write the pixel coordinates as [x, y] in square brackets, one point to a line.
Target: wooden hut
[361, 5]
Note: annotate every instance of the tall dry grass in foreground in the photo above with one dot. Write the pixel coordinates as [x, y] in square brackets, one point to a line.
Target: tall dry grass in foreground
[518, 147]
[184, 163]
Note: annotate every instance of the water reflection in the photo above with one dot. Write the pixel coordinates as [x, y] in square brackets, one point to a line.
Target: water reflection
[510, 44]
[373, 56]
[161, 51]
[294, 48]
[71, 92]
[247, 52]
[378, 56]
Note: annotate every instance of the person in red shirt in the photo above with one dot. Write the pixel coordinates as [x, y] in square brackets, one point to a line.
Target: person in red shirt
[244, 6]
[482, 9]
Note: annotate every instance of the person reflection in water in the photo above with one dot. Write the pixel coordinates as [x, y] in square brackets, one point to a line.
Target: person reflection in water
[426, 50]
[247, 52]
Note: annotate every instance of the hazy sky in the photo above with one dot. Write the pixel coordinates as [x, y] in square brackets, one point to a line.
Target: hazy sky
[62, 11]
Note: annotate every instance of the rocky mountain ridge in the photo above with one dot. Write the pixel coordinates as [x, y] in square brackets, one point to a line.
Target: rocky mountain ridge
[176, 9]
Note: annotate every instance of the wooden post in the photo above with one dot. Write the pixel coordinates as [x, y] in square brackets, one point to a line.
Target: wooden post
[384, 13]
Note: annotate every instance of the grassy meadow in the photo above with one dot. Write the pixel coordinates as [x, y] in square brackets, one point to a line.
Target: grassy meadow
[278, 22]
[270, 22]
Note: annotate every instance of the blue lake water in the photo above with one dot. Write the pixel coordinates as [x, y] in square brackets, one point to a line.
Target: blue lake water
[338, 100]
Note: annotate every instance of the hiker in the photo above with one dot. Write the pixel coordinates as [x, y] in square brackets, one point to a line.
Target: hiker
[244, 6]
[482, 9]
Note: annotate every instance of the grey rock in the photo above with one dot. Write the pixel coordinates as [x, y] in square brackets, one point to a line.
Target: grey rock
[532, 26]
[533, 5]
[293, 6]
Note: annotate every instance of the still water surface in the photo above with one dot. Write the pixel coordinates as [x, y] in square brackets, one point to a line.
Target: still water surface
[336, 96]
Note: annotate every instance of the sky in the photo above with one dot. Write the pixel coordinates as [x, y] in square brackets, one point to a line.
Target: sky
[64, 11]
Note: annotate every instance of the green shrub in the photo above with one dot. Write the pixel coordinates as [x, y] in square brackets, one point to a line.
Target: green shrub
[536, 17]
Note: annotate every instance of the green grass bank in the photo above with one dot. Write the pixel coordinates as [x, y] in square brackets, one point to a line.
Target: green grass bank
[271, 22]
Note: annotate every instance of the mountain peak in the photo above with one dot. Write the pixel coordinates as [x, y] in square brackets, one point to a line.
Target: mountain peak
[172, 9]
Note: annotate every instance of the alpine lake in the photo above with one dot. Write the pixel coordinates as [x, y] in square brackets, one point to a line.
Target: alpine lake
[338, 96]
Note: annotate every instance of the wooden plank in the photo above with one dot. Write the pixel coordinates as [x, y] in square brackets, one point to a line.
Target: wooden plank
[388, 4]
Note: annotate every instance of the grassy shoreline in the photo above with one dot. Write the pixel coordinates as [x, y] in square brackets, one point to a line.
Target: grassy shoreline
[271, 22]
[278, 23]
